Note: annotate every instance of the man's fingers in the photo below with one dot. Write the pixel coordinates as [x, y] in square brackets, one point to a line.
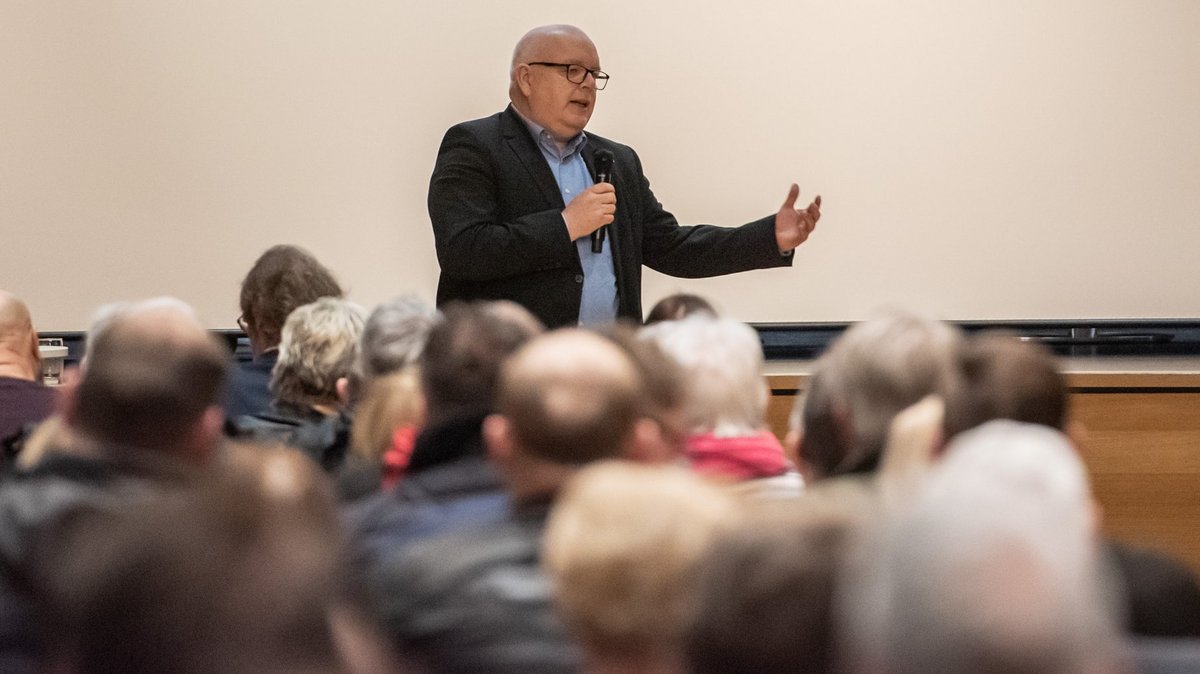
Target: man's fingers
[793, 194]
[604, 188]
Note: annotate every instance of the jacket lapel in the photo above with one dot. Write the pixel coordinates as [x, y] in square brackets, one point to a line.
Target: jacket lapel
[516, 135]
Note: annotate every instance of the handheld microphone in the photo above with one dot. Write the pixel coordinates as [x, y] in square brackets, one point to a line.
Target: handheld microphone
[604, 168]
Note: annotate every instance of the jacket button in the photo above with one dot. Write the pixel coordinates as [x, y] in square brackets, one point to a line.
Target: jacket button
[579, 278]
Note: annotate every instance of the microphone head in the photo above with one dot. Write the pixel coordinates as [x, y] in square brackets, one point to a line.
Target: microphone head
[604, 164]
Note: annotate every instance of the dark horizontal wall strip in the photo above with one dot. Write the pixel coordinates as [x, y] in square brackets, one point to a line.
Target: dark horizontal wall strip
[1107, 337]
[802, 341]
[237, 343]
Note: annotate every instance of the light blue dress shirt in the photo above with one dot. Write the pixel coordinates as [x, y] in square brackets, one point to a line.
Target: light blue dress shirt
[599, 303]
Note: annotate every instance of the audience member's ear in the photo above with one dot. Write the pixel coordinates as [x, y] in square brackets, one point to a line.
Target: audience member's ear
[207, 433]
[843, 423]
[497, 436]
[35, 354]
[342, 386]
[791, 445]
[1077, 433]
[649, 445]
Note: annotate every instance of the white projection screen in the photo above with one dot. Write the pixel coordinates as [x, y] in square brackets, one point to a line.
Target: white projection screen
[978, 160]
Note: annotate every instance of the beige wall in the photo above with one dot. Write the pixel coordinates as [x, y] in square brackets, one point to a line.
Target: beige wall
[978, 159]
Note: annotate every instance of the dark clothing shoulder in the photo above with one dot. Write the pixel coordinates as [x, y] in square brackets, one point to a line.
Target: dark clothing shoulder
[22, 402]
[434, 502]
[35, 503]
[476, 601]
[249, 390]
[1162, 594]
[323, 438]
[450, 485]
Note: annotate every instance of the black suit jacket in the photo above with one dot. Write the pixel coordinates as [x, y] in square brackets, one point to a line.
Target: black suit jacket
[499, 231]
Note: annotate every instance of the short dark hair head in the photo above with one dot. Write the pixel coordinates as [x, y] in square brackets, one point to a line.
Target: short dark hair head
[150, 376]
[460, 365]
[766, 597]
[229, 572]
[571, 397]
[283, 278]
[1002, 377]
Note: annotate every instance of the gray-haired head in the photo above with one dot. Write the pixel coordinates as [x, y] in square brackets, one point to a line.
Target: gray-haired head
[394, 337]
[722, 361]
[873, 371]
[995, 569]
[319, 346]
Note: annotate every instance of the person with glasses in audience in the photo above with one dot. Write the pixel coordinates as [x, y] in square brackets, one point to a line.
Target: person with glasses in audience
[523, 208]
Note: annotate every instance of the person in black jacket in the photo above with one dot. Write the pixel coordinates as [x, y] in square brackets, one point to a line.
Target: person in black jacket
[515, 204]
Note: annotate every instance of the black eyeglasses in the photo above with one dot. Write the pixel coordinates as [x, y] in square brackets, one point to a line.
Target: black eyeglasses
[576, 73]
[242, 324]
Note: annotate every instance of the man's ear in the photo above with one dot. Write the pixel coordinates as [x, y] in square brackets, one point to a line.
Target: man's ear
[791, 445]
[647, 444]
[1077, 433]
[522, 78]
[497, 436]
[35, 355]
[342, 386]
[207, 432]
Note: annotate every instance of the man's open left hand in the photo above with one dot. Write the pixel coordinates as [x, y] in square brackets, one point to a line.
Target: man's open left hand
[793, 225]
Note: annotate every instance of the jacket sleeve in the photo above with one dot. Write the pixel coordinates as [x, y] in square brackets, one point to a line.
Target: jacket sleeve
[696, 251]
[474, 239]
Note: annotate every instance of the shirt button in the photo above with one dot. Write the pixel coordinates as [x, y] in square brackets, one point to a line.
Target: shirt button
[579, 278]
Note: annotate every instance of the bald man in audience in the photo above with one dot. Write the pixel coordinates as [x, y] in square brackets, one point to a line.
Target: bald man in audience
[23, 398]
[477, 600]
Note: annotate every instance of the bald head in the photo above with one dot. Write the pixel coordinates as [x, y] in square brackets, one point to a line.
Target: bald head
[18, 340]
[571, 397]
[539, 85]
[533, 44]
[153, 374]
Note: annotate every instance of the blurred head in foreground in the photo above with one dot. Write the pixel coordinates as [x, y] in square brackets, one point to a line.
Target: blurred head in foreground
[623, 546]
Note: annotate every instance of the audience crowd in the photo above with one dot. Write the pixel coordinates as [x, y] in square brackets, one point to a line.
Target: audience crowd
[413, 490]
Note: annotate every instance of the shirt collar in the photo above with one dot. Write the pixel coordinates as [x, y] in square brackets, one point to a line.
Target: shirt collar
[546, 141]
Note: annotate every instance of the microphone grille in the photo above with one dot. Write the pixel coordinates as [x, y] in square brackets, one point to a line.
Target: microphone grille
[604, 161]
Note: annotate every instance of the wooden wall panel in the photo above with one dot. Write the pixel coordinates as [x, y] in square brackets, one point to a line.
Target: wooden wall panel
[1141, 447]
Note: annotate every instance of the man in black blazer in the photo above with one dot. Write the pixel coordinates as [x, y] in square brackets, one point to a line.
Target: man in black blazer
[514, 206]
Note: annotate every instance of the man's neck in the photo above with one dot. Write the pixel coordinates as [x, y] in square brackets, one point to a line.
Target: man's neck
[534, 127]
[16, 367]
